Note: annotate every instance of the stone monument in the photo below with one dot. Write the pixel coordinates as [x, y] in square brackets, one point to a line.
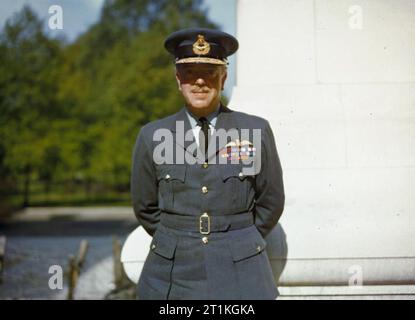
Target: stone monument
[336, 80]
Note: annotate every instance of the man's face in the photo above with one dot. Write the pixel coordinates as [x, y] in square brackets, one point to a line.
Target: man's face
[201, 85]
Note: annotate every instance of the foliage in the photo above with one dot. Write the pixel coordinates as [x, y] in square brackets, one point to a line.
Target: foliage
[70, 113]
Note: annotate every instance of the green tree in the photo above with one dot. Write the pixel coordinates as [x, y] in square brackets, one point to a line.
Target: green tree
[27, 94]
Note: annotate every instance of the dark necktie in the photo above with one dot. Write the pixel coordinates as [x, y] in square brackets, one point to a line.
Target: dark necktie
[204, 134]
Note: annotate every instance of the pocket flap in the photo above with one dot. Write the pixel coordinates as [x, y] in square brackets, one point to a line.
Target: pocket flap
[231, 170]
[164, 245]
[171, 172]
[250, 246]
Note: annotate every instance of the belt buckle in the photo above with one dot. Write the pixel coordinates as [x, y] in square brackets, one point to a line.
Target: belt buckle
[206, 216]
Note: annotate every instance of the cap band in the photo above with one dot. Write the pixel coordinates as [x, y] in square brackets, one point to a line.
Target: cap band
[201, 60]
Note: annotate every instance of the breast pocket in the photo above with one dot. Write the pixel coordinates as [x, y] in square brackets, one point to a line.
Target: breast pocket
[171, 179]
[236, 184]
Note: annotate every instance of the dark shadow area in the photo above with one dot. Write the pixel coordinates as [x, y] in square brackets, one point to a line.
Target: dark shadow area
[277, 249]
[83, 202]
[67, 227]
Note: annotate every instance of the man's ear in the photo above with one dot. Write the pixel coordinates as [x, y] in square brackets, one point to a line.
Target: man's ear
[224, 79]
[178, 82]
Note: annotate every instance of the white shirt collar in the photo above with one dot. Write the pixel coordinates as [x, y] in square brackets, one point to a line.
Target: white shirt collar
[212, 117]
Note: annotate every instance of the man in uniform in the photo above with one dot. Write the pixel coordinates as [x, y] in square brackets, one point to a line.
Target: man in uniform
[207, 213]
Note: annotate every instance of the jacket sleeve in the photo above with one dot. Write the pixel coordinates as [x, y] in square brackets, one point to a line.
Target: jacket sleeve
[269, 188]
[144, 187]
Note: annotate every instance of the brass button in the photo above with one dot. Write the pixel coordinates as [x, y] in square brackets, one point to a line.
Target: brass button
[241, 174]
[167, 177]
[204, 189]
[205, 165]
[153, 247]
[205, 240]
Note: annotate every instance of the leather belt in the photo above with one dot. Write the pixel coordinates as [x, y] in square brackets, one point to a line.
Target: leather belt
[206, 223]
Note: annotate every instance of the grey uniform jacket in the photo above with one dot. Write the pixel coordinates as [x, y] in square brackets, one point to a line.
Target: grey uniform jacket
[231, 264]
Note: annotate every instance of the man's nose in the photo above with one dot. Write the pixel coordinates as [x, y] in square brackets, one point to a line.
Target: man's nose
[200, 81]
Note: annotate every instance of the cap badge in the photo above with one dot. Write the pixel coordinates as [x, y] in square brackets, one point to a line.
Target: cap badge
[201, 47]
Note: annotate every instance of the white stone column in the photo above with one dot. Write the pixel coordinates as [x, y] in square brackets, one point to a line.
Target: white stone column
[336, 80]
